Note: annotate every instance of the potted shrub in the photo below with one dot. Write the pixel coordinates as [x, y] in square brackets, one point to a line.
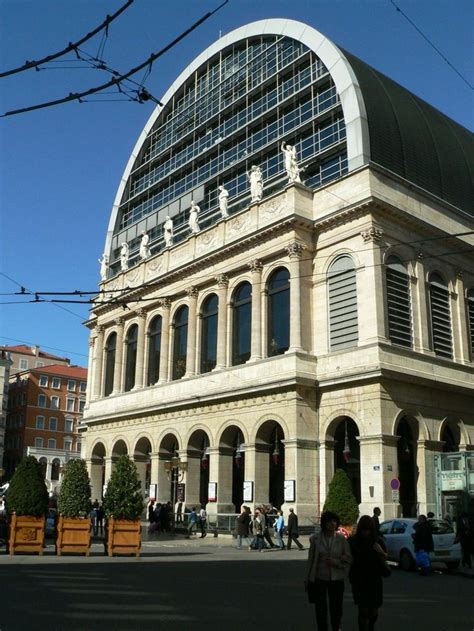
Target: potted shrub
[123, 506]
[26, 503]
[340, 500]
[74, 507]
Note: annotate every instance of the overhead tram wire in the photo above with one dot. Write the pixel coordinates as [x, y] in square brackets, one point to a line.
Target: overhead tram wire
[78, 96]
[71, 46]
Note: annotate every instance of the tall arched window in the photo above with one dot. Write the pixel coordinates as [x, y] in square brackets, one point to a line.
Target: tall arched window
[180, 342]
[440, 312]
[470, 315]
[209, 333]
[398, 302]
[241, 323]
[278, 312]
[342, 298]
[131, 357]
[110, 348]
[154, 346]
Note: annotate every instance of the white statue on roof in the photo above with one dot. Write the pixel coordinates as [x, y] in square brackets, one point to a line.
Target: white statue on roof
[291, 162]
[255, 178]
[124, 251]
[193, 217]
[104, 266]
[144, 245]
[223, 201]
[168, 232]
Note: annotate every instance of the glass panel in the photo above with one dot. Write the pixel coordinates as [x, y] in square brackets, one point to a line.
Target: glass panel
[209, 316]
[154, 349]
[180, 343]
[110, 363]
[242, 324]
[278, 312]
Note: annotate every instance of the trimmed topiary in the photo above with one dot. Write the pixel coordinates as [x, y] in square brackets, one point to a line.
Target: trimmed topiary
[27, 493]
[340, 498]
[75, 493]
[123, 497]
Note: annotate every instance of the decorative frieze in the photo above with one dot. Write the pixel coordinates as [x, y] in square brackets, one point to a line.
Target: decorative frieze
[274, 207]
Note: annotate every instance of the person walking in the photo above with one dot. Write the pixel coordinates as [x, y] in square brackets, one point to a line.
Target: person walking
[465, 535]
[423, 544]
[95, 510]
[329, 559]
[266, 518]
[292, 530]
[258, 529]
[365, 575]
[192, 522]
[203, 521]
[376, 520]
[242, 527]
[279, 530]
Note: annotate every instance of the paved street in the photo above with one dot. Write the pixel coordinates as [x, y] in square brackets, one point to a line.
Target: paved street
[204, 585]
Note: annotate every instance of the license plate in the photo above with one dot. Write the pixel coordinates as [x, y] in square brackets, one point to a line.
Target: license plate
[442, 553]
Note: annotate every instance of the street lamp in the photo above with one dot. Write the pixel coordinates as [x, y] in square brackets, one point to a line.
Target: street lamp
[175, 467]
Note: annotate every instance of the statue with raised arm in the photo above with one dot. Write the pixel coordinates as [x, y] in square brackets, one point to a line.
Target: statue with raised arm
[291, 162]
[255, 178]
[124, 257]
[104, 266]
[144, 246]
[193, 217]
[168, 232]
[223, 201]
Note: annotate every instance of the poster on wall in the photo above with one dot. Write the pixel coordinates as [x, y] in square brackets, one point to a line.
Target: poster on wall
[180, 491]
[248, 491]
[152, 491]
[289, 490]
[212, 492]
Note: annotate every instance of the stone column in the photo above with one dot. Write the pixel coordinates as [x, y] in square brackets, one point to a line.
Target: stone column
[118, 367]
[326, 469]
[163, 493]
[371, 290]
[426, 483]
[192, 293]
[141, 341]
[301, 466]
[421, 332]
[223, 284]
[98, 352]
[220, 471]
[295, 253]
[378, 466]
[193, 479]
[154, 464]
[141, 464]
[257, 470]
[256, 267]
[165, 341]
[460, 326]
[108, 469]
[90, 368]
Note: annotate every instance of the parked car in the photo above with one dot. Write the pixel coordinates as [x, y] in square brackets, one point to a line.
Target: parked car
[397, 534]
[50, 523]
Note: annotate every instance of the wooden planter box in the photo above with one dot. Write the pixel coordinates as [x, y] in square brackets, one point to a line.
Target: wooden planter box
[26, 534]
[124, 536]
[74, 535]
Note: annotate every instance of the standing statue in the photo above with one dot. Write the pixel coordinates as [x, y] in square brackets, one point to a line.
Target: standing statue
[255, 178]
[124, 257]
[193, 217]
[144, 246]
[291, 162]
[104, 266]
[168, 232]
[223, 201]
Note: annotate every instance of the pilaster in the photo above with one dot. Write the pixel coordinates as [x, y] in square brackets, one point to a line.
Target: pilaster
[141, 342]
[256, 267]
[165, 341]
[295, 253]
[222, 284]
[192, 293]
[118, 368]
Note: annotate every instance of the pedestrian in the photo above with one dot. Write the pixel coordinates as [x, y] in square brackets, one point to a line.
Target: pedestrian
[465, 534]
[203, 521]
[280, 529]
[430, 515]
[369, 565]
[178, 509]
[100, 519]
[95, 508]
[258, 529]
[423, 544]
[292, 530]
[242, 524]
[267, 521]
[329, 559]
[375, 519]
[151, 511]
[192, 522]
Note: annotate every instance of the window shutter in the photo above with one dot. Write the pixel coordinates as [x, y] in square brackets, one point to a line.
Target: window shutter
[398, 303]
[342, 289]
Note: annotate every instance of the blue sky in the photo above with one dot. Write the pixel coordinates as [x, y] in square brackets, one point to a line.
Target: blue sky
[60, 167]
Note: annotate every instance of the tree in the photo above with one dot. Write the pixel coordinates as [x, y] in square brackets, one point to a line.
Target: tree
[27, 493]
[75, 493]
[123, 497]
[340, 498]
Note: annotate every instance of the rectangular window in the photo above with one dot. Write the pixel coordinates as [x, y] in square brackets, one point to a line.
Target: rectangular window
[70, 405]
[55, 403]
[68, 425]
[71, 385]
[23, 364]
[40, 422]
[56, 382]
[68, 444]
[23, 399]
[39, 364]
[42, 400]
[43, 382]
[82, 405]
[53, 424]
[83, 386]
[51, 443]
[39, 442]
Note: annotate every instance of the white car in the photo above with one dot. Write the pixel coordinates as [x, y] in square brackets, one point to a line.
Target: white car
[397, 534]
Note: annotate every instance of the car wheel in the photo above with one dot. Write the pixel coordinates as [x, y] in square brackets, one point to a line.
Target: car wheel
[406, 561]
[452, 565]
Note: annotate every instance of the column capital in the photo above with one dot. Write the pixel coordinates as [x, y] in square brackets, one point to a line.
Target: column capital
[431, 445]
[119, 321]
[141, 313]
[256, 266]
[420, 256]
[222, 281]
[376, 439]
[100, 328]
[165, 303]
[301, 443]
[192, 292]
[295, 249]
[460, 274]
[372, 235]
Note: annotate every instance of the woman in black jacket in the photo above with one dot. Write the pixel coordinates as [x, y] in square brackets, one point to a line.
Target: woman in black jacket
[368, 567]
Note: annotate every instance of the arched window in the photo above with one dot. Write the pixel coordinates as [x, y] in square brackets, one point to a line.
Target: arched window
[241, 323]
[180, 342]
[398, 302]
[470, 315]
[440, 312]
[154, 345]
[131, 357]
[342, 298]
[110, 348]
[209, 333]
[278, 322]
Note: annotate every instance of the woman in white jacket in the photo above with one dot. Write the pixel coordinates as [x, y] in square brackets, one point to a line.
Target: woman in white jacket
[328, 562]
